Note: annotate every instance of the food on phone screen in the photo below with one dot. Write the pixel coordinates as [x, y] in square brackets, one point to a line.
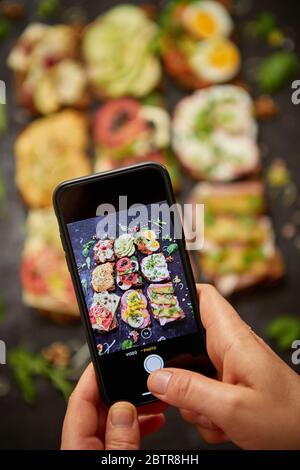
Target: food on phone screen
[104, 251]
[134, 309]
[103, 277]
[128, 131]
[128, 274]
[214, 134]
[102, 313]
[164, 303]
[50, 150]
[146, 241]
[118, 53]
[197, 46]
[124, 245]
[154, 268]
[49, 75]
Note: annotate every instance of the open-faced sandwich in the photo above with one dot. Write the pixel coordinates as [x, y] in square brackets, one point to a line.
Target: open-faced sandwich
[154, 268]
[238, 199]
[46, 282]
[103, 277]
[239, 248]
[196, 45]
[48, 73]
[134, 309]
[128, 274]
[124, 245]
[103, 312]
[164, 303]
[214, 134]
[119, 51]
[146, 242]
[126, 131]
[104, 251]
[48, 151]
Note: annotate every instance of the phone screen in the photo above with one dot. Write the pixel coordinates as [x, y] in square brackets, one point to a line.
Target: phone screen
[138, 296]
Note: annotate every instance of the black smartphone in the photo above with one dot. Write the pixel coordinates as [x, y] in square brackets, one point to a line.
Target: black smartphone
[125, 250]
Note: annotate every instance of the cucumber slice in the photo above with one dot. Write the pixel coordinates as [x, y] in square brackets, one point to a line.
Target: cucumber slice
[136, 320]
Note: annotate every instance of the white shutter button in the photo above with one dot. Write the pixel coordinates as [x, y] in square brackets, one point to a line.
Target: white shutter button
[152, 363]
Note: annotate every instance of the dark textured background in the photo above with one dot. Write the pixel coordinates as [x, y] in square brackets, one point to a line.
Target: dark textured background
[39, 427]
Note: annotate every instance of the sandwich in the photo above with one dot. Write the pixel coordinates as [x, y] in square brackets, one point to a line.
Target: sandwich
[49, 151]
[45, 279]
[164, 303]
[102, 312]
[239, 249]
[104, 251]
[103, 277]
[117, 49]
[128, 274]
[197, 44]
[134, 309]
[154, 268]
[214, 134]
[48, 72]
[146, 242]
[128, 131]
[124, 245]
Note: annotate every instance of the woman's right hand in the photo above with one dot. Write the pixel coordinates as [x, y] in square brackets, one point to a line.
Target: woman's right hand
[255, 402]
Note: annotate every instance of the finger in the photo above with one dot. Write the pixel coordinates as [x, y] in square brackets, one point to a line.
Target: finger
[212, 437]
[195, 392]
[199, 420]
[81, 423]
[223, 325]
[122, 427]
[151, 424]
[206, 428]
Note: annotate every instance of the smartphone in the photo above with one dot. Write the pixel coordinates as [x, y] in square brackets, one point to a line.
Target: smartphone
[125, 250]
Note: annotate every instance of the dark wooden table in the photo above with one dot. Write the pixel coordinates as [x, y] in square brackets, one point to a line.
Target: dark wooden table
[38, 427]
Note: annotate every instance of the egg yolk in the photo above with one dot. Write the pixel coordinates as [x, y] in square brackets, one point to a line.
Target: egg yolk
[149, 234]
[224, 56]
[204, 25]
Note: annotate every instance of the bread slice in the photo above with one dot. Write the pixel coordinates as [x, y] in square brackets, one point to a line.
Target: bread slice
[103, 278]
[233, 199]
[164, 303]
[47, 152]
[134, 310]
[103, 312]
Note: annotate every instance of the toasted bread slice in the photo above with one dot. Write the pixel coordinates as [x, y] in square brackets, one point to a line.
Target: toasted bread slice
[103, 278]
[49, 151]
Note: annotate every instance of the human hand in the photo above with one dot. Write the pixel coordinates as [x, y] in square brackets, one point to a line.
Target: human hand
[90, 425]
[255, 401]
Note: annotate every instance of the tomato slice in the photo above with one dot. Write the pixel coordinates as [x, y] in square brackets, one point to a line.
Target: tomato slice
[117, 123]
[31, 277]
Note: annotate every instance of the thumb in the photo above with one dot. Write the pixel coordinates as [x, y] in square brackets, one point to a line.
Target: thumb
[122, 427]
[195, 392]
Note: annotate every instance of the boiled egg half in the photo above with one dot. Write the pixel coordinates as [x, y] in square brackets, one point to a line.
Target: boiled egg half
[216, 60]
[207, 19]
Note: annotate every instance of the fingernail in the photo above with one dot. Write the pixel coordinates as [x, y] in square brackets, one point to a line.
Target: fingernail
[122, 415]
[159, 381]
